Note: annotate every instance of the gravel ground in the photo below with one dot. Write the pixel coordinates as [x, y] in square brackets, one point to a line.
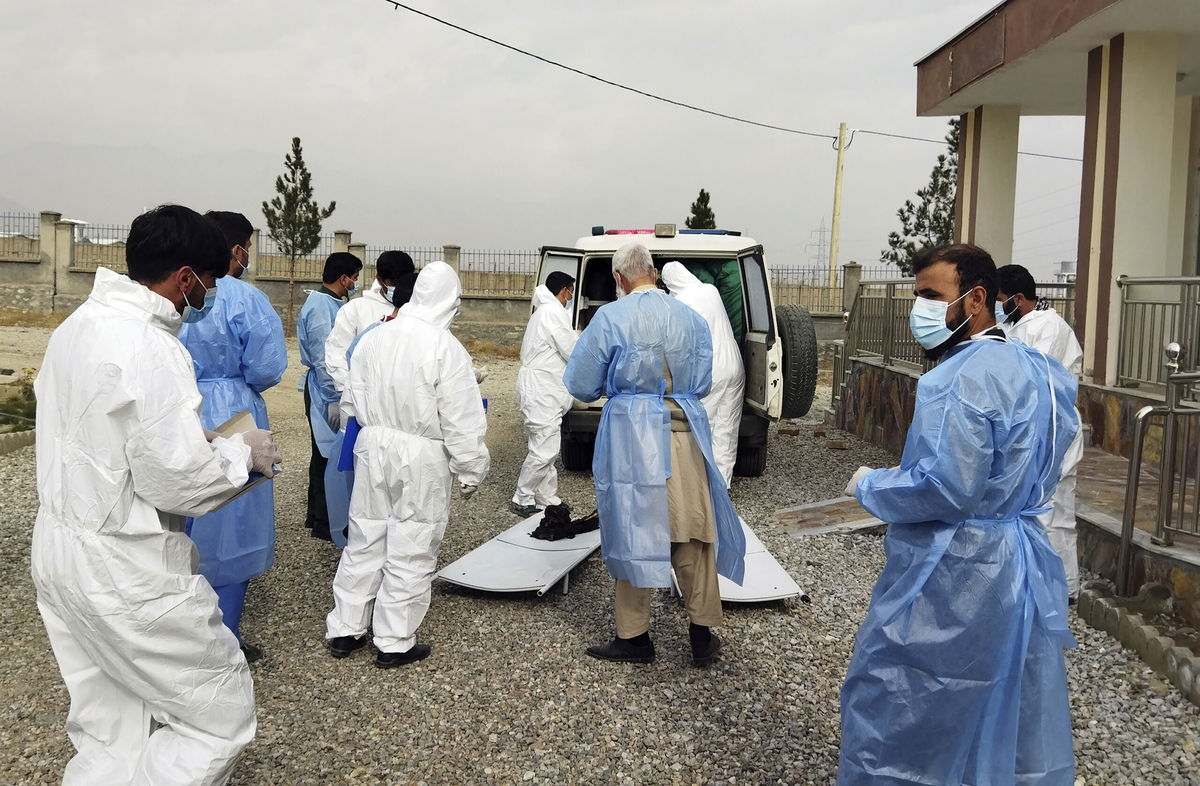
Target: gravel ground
[508, 696]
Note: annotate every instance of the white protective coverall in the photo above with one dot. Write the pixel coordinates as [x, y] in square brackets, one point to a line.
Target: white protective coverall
[724, 401]
[353, 318]
[1047, 332]
[121, 460]
[542, 397]
[413, 391]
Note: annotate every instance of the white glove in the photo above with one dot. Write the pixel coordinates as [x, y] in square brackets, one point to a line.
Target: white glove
[858, 475]
[264, 455]
[481, 373]
[333, 416]
[467, 490]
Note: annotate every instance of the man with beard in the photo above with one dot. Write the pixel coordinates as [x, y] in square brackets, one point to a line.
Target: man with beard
[958, 673]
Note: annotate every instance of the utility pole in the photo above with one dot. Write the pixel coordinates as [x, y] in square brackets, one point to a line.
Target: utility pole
[836, 230]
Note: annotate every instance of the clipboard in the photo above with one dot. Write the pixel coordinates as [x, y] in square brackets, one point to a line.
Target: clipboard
[242, 423]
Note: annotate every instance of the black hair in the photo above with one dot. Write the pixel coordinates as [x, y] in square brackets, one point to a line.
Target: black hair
[402, 288]
[975, 267]
[1016, 280]
[558, 281]
[171, 237]
[393, 264]
[338, 264]
[235, 227]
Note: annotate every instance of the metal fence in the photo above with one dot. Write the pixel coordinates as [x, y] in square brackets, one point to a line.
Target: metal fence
[421, 256]
[19, 237]
[274, 263]
[809, 286]
[1154, 312]
[100, 245]
[498, 271]
[19, 225]
[877, 325]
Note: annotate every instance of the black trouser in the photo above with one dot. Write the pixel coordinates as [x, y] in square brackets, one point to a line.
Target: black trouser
[318, 514]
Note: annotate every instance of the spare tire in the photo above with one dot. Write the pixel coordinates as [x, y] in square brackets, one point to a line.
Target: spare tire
[799, 337]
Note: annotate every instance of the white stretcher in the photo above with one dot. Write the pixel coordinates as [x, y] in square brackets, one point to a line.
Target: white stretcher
[765, 578]
[515, 562]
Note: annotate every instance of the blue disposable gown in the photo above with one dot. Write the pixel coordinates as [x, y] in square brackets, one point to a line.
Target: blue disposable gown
[237, 352]
[958, 673]
[316, 320]
[339, 479]
[621, 355]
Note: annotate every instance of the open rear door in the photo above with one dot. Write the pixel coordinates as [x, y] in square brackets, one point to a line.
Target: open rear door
[565, 260]
[760, 350]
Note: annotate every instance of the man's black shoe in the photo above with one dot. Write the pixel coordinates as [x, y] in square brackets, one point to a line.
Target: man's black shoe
[704, 644]
[636, 650]
[341, 646]
[390, 660]
[250, 652]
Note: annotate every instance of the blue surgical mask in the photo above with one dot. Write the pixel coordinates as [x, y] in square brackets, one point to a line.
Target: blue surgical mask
[1002, 316]
[927, 321]
[352, 291]
[387, 293]
[192, 314]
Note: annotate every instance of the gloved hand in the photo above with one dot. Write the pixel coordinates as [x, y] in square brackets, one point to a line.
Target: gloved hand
[858, 475]
[264, 455]
[481, 373]
[467, 490]
[333, 416]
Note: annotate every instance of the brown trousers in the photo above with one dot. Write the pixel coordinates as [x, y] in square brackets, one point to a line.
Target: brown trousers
[693, 553]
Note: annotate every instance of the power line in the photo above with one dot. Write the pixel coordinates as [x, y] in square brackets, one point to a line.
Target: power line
[398, 5]
[943, 142]
[609, 82]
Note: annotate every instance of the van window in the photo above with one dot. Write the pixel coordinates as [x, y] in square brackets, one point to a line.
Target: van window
[758, 310]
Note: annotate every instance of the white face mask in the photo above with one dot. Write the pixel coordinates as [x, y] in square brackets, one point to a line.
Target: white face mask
[927, 321]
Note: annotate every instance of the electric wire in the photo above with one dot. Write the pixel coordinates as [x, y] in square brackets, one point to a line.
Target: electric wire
[609, 82]
[397, 5]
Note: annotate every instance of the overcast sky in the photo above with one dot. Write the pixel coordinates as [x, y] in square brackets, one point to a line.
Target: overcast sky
[427, 136]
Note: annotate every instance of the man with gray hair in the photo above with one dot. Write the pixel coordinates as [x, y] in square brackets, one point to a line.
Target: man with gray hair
[663, 503]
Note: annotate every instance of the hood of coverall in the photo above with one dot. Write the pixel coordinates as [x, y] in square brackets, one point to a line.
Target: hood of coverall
[678, 278]
[436, 295]
[543, 297]
[124, 294]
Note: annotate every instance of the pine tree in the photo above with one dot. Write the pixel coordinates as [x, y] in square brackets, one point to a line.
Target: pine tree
[702, 216]
[929, 221]
[294, 217]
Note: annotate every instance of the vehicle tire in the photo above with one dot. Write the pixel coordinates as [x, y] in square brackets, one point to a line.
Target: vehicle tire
[799, 359]
[751, 462]
[577, 453]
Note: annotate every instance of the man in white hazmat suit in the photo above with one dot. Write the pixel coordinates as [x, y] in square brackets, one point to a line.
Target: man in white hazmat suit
[541, 395]
[361, 312]
[121, 459]
[1030, 319]
[413, 392]
[724, 401]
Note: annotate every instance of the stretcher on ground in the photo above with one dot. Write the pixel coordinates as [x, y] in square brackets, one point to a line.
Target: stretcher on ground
[765, 578]
[515, 562]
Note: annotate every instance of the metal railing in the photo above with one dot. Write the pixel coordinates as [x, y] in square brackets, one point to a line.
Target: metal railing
[808, 286]
[877, 325]
[100, 245]
[1153, 312]
[1178, 510]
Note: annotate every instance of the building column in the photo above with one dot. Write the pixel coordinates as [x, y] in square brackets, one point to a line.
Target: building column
[1191, 197]
[341, 241]
[1125, 201]
[985, 200]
